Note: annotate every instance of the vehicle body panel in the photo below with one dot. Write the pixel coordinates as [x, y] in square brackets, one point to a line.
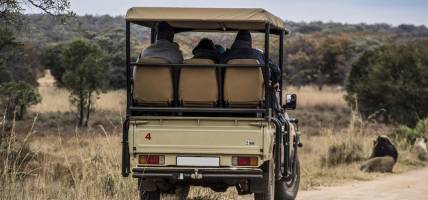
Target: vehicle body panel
[203, 136]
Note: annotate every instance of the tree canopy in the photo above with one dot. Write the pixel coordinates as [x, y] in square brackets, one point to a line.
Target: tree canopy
[82, 69]
[391, 80]
[11, 10]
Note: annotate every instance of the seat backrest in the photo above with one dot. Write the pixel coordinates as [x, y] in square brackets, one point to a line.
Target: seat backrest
[153, 85]
[198, 86]
[243, 86]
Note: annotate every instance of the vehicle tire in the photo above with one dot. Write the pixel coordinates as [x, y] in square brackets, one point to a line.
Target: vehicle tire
[155, 195]
[268, 172]
[181, 193]
[287, 190]
[147, 195]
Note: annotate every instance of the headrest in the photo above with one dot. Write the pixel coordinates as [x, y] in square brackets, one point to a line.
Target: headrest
[243, 62]
[199, 61]
[154, 60]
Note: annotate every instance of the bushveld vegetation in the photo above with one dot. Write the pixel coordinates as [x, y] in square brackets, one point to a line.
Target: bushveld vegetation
[390, 81]
[47, 155]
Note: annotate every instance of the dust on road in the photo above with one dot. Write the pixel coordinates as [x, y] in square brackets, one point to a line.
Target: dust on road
[407, 186]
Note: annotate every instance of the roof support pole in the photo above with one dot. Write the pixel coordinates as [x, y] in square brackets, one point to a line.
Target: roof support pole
[125, 144]
[266, 72]
[128, 67]
[152, 35]
[281, 62]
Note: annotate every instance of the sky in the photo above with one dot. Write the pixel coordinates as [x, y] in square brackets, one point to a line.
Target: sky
[393, 12]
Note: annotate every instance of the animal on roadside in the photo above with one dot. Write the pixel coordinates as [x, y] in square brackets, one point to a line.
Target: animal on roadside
[420, 147]
[383, 157]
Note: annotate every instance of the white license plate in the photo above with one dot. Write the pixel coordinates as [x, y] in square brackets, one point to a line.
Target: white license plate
[198, 161]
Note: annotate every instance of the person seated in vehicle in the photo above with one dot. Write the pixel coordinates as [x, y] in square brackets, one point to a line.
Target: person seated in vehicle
[242, 49]
[164, 47]
[206, 49]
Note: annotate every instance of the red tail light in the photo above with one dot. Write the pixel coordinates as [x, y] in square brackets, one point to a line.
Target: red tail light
[244, 161]
[151, 159]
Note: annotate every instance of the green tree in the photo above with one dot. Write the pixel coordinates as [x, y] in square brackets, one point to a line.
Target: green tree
[16, 97]
[51, 59]
[392, 78]
[86, 73]
[11, 10]
[333, 63]
[301, 62]
[112, 43]
[319, 59]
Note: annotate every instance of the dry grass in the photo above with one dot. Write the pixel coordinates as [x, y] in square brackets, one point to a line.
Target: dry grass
[57, 100]
[310, 96]
[71, 167]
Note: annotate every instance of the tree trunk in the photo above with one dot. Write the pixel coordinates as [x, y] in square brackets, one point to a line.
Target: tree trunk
[320, 81]
[88, 108]
[81, 108]
[22, 111]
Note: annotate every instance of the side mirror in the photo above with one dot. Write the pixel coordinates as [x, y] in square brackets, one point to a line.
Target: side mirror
[290, 102]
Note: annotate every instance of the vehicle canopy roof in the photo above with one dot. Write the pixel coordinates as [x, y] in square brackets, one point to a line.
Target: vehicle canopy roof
[190, 19]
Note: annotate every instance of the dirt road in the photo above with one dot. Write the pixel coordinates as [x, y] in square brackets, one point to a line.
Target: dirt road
[407, 186]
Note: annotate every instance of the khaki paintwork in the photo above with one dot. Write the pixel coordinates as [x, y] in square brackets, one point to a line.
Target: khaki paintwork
[203, 136]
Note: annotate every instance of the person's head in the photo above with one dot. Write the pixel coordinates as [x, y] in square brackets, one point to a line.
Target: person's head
[205, 43]
[165, 32]
[243, 39]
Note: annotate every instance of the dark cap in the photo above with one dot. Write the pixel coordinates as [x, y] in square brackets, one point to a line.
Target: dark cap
[165, 32]
[243, 36]
[205, 43]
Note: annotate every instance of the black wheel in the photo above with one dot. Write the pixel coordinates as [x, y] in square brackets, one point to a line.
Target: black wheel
[155, 195]
[269, 193]
[181, 193]
[146, 195]
[287, 189]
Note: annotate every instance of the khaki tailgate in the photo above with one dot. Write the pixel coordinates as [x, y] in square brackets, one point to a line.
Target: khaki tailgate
[183, 135]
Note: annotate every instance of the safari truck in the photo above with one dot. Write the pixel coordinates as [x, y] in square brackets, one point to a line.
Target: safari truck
[204, 124]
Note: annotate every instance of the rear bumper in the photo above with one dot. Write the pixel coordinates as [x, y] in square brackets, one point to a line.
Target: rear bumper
[197, 173]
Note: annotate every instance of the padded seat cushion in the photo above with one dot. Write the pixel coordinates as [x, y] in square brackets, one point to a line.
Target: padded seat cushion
[243, 87]
[198, 86]
[153, 85]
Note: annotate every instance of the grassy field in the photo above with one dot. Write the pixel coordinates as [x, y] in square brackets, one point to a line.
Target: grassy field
[46, 156]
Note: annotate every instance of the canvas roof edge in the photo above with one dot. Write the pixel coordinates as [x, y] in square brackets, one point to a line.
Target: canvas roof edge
[188, 19]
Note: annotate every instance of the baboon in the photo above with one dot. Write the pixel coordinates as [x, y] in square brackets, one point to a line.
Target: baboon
[383, 157]
[420, 147]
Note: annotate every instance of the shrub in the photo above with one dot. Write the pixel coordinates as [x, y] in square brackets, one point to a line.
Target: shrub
[408, 135]
[343, 152]
[16, 97]
[422, 127]
[393, 78]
